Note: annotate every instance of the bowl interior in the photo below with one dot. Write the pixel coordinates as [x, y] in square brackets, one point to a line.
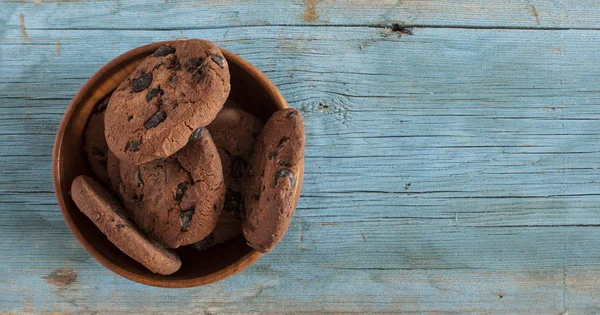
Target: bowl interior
[249, 88]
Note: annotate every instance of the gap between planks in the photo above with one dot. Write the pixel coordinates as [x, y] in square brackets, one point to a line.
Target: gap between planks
[401, 27]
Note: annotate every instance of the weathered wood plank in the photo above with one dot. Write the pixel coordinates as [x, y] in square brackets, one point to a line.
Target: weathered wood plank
[449, 171]
[173, 14]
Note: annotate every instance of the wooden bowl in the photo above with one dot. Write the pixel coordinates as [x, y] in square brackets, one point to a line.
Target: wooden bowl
[249, 87]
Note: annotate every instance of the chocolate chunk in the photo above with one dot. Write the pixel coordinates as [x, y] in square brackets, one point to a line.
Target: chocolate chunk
[181, 188]
[120, 226]
[141, 83]
[152, 93]
[284, 163]
[239, 167]
[218, 60]
[195, 63]
[285, 173]
[137, 198]
[292, 113]
[129, 118]
[196, 66]
[186, 218]
[275, 153]
[138, 174]
[163, 51]
[173, 64]
[133, 146]
[205, 243]
[234, 202]
[155, 119]
[197, 134]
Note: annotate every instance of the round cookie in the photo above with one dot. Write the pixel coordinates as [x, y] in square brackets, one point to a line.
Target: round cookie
[177, 200]
[234, 132]
[176, 90]
[95, 145]
[271, 186]
[108, 215]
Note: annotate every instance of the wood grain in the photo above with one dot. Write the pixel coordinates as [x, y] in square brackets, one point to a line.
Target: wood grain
[448, 169]
[210, 14]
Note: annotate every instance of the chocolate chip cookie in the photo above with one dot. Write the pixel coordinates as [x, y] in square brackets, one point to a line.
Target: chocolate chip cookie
[176, 200]
[176, 90]
[271, 186]
[234, 132]
[108, 215]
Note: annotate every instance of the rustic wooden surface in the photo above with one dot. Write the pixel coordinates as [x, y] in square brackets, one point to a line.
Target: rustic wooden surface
[452, 166]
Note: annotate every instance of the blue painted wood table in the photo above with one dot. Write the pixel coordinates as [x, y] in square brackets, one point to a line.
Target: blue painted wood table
[452, 162]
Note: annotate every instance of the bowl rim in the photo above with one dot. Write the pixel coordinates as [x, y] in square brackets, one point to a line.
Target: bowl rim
[242, 263]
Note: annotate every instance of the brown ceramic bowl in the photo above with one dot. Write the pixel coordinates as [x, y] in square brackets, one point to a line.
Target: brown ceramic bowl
[249, 87]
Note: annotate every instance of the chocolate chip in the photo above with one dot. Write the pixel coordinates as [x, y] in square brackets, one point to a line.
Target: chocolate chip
[138, 174]
[197, 134]
[141, 83]
[181, 188]
[196, 66]
[186, 218]
[102, 106]
[275, 153]
[218, 60]
[284, 172]
[120, 226]
[292, 113]
[174, 79]
[163, 50]
[129, 118]
[133, 145]
[285, 163]
[239, 167]
[152, 93]
[194, 63]
[137, 198]
[173, 64]
[233, 202]
[205, 243]
[155, 119]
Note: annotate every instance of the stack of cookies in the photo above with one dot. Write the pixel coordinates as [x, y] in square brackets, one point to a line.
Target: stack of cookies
[177, 164]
